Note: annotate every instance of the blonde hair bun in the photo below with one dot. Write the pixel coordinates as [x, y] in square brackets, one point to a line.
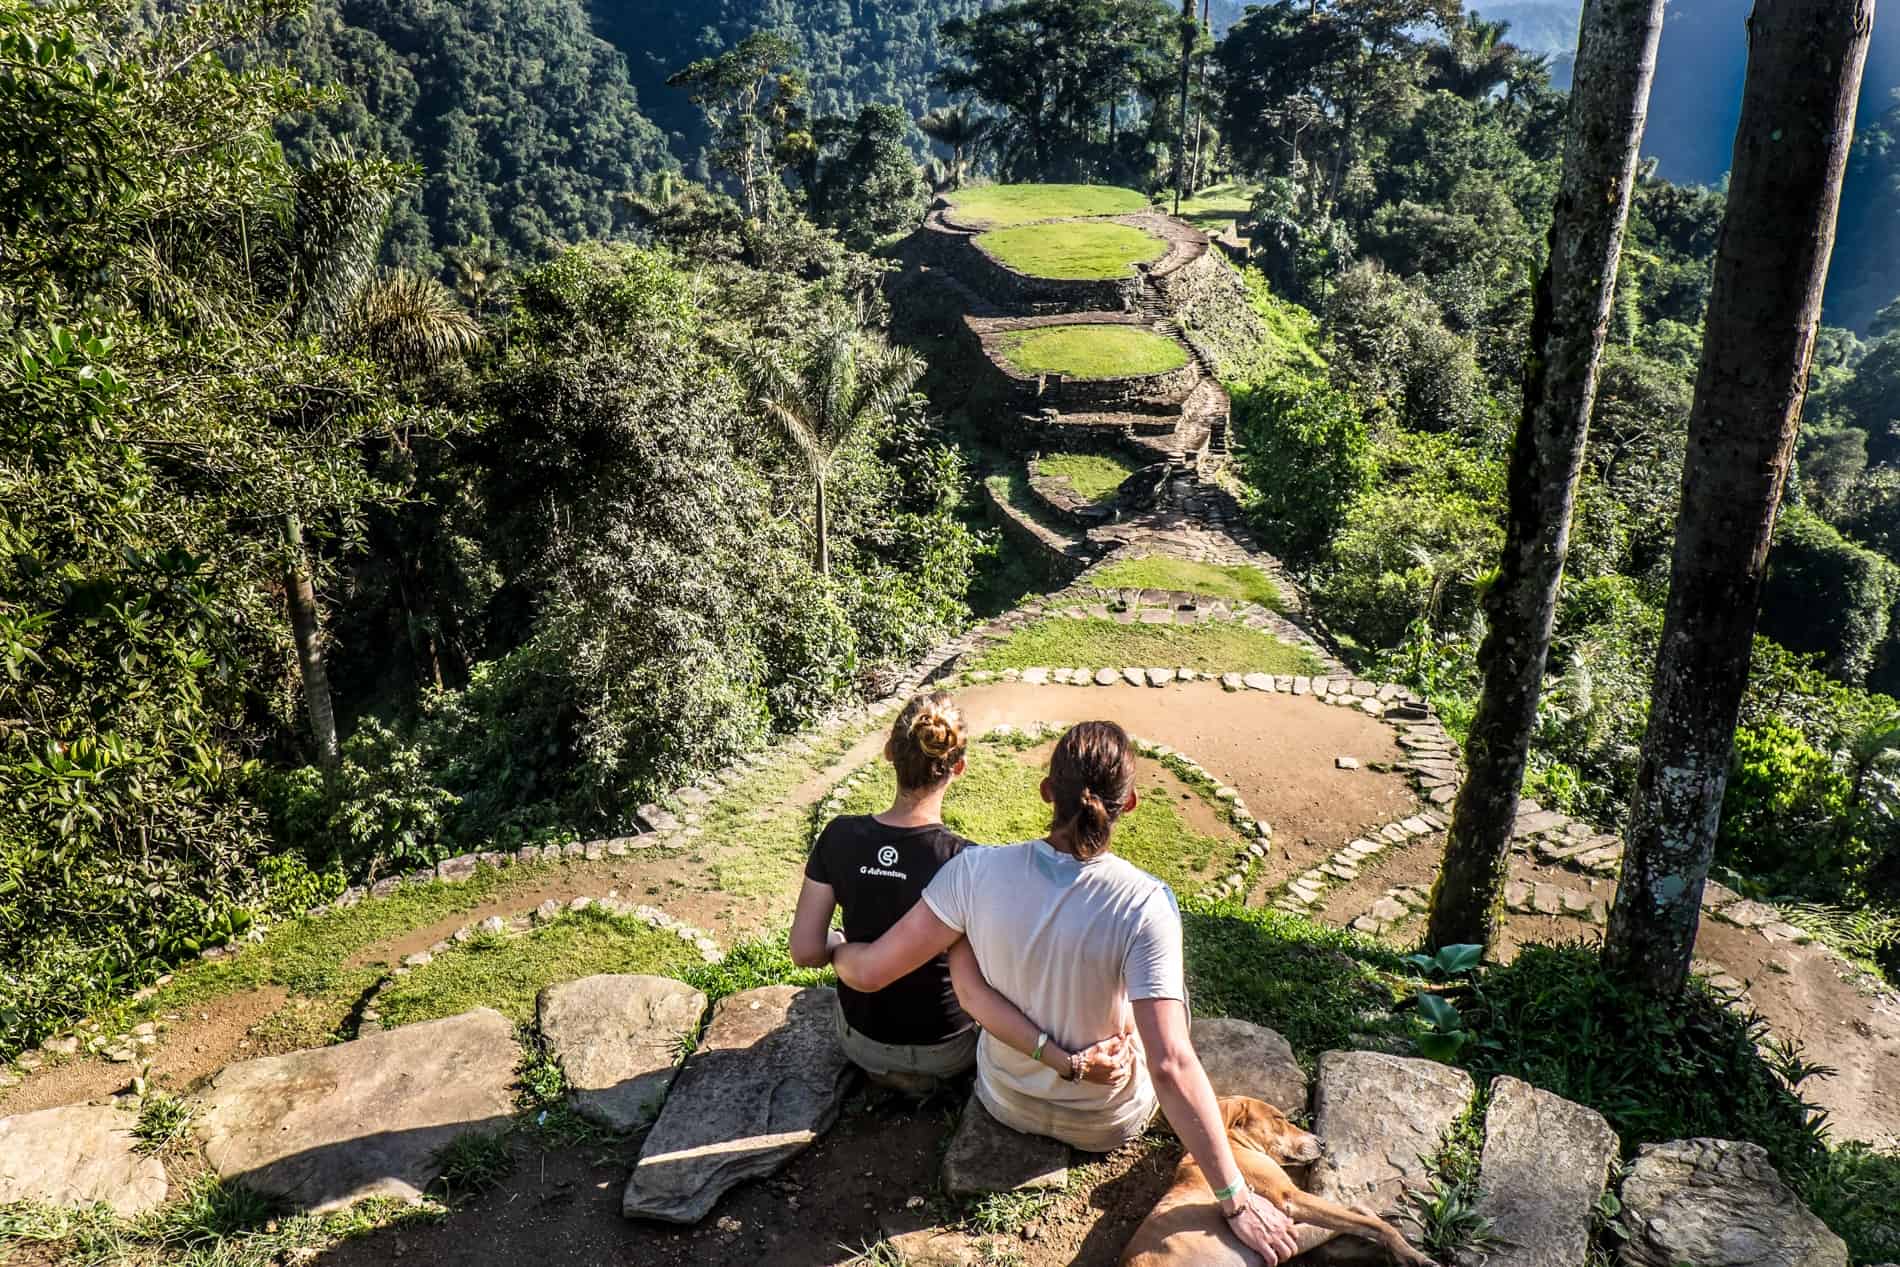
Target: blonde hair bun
[927, 740]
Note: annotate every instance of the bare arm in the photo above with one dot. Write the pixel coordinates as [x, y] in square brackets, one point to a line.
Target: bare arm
[1106, 1062]
[912, 942]
[812, 936]
[1188, 1100]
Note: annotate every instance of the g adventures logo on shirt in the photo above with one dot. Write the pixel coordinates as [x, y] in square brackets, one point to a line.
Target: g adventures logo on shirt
[886, 858]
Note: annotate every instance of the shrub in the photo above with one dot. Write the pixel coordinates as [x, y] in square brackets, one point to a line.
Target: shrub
[1306, 455]
[1827, 595]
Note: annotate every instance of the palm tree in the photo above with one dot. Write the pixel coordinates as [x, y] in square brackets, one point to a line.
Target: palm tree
[838, 382]
[480, 273]
[410, 322]
[1475, 60]
[963, 131]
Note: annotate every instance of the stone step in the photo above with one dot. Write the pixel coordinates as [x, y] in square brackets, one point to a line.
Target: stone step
[616, 1038]
[987, 1157]
[766, 1080]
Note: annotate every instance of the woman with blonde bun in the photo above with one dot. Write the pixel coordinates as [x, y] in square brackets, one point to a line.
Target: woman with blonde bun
[912, 1033]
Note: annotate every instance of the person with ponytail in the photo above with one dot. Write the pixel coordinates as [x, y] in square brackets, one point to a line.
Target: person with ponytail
[1063, 930]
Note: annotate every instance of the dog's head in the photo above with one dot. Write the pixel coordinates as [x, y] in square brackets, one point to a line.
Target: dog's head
[1258, 1125]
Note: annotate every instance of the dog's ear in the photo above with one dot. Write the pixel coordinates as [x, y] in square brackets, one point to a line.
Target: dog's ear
[1233, 1109]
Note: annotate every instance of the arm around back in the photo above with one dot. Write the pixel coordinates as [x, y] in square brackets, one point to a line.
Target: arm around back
[912, 942]
[812, 939]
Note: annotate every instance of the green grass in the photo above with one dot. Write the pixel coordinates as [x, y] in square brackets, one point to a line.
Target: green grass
[507, 973]
[997, 802]
[1214, 647]
[1074, 250]
[1092, 351]
[997, 206]
[1214, 210]
[1095, 476]
[1235, 582]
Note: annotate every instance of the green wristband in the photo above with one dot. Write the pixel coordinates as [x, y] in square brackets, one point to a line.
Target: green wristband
[1232, 1190]
[1042, 1040]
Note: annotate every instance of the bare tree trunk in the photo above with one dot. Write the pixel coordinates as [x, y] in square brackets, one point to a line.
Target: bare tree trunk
[1187, 67]
[305, 629]
[1200, 116]
[824, 530]
[1804, 67]
[1616, 61]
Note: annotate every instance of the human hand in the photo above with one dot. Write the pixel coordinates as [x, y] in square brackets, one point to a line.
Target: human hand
[1263, 1228]
[834, 939]
[1109, 1062]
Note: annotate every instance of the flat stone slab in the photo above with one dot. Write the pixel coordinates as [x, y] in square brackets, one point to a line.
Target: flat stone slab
[985, 1156]
[617, 1040]
[1242, 1058]
[77, 1156]
[1380, 1117]
[765, 1081]
[1544, 1165]
[1719, 1203]
[325, 1128]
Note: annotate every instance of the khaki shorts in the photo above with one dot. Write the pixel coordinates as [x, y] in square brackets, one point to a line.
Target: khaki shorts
[916, 1069]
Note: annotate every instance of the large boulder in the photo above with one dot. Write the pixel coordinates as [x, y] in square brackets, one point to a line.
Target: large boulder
[766, 1080]
[617, 1039]
[1542, 1174]
[1719, 1203]
[1246, 1059]
[324, 1128]
[77, 1156]
[1380, 1119]
[985, 1156]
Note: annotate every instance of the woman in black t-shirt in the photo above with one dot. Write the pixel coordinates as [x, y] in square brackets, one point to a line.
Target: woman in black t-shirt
[912, 1034]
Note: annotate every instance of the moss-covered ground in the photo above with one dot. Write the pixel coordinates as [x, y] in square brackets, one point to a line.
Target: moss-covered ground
[1214, 210]
[1208, 647]
[997, 206]
[1073, 250]
[1095, 476]
[1235, 582]
[1092, 351]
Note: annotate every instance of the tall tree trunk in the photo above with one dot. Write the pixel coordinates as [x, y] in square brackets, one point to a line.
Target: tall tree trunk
[1616, 61]
[1200, 116]
[309, 635]
[824, 530]
[1804, 67]
[1180, 129]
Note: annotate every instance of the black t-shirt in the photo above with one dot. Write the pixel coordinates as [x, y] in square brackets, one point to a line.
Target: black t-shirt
[878, 873]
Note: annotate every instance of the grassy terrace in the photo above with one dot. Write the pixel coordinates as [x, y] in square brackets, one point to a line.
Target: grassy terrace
[1092, 351]
[1235, 582]
[998, 206]
[997, 802]
[1073, 250]
[1213, 647]
[1214, 210]
[1095, 476]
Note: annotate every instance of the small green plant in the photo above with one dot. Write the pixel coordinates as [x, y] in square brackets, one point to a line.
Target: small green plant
[1445, 1037]
[1450, 1228]
[212, 1212]
[163, 1120]
[473, 1164]
[1450, 963]
[1007, 1212]
[542, 1081]
[871, 1254]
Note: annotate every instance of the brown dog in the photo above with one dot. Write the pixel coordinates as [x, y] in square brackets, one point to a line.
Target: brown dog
[1186, 1229]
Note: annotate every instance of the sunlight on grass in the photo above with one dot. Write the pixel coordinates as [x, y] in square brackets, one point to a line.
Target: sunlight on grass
[1214, 210]
[1236, 582]
[1077, 251]
[998, 802]
[1095, 476]
[996, 206]
[506, 973]
[1092, 351]
[1215, 647]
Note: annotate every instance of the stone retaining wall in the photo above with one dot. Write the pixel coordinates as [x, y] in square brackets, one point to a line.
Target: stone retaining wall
[1054, 560]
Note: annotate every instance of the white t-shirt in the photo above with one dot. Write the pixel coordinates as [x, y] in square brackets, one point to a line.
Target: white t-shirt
[1071, 944]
